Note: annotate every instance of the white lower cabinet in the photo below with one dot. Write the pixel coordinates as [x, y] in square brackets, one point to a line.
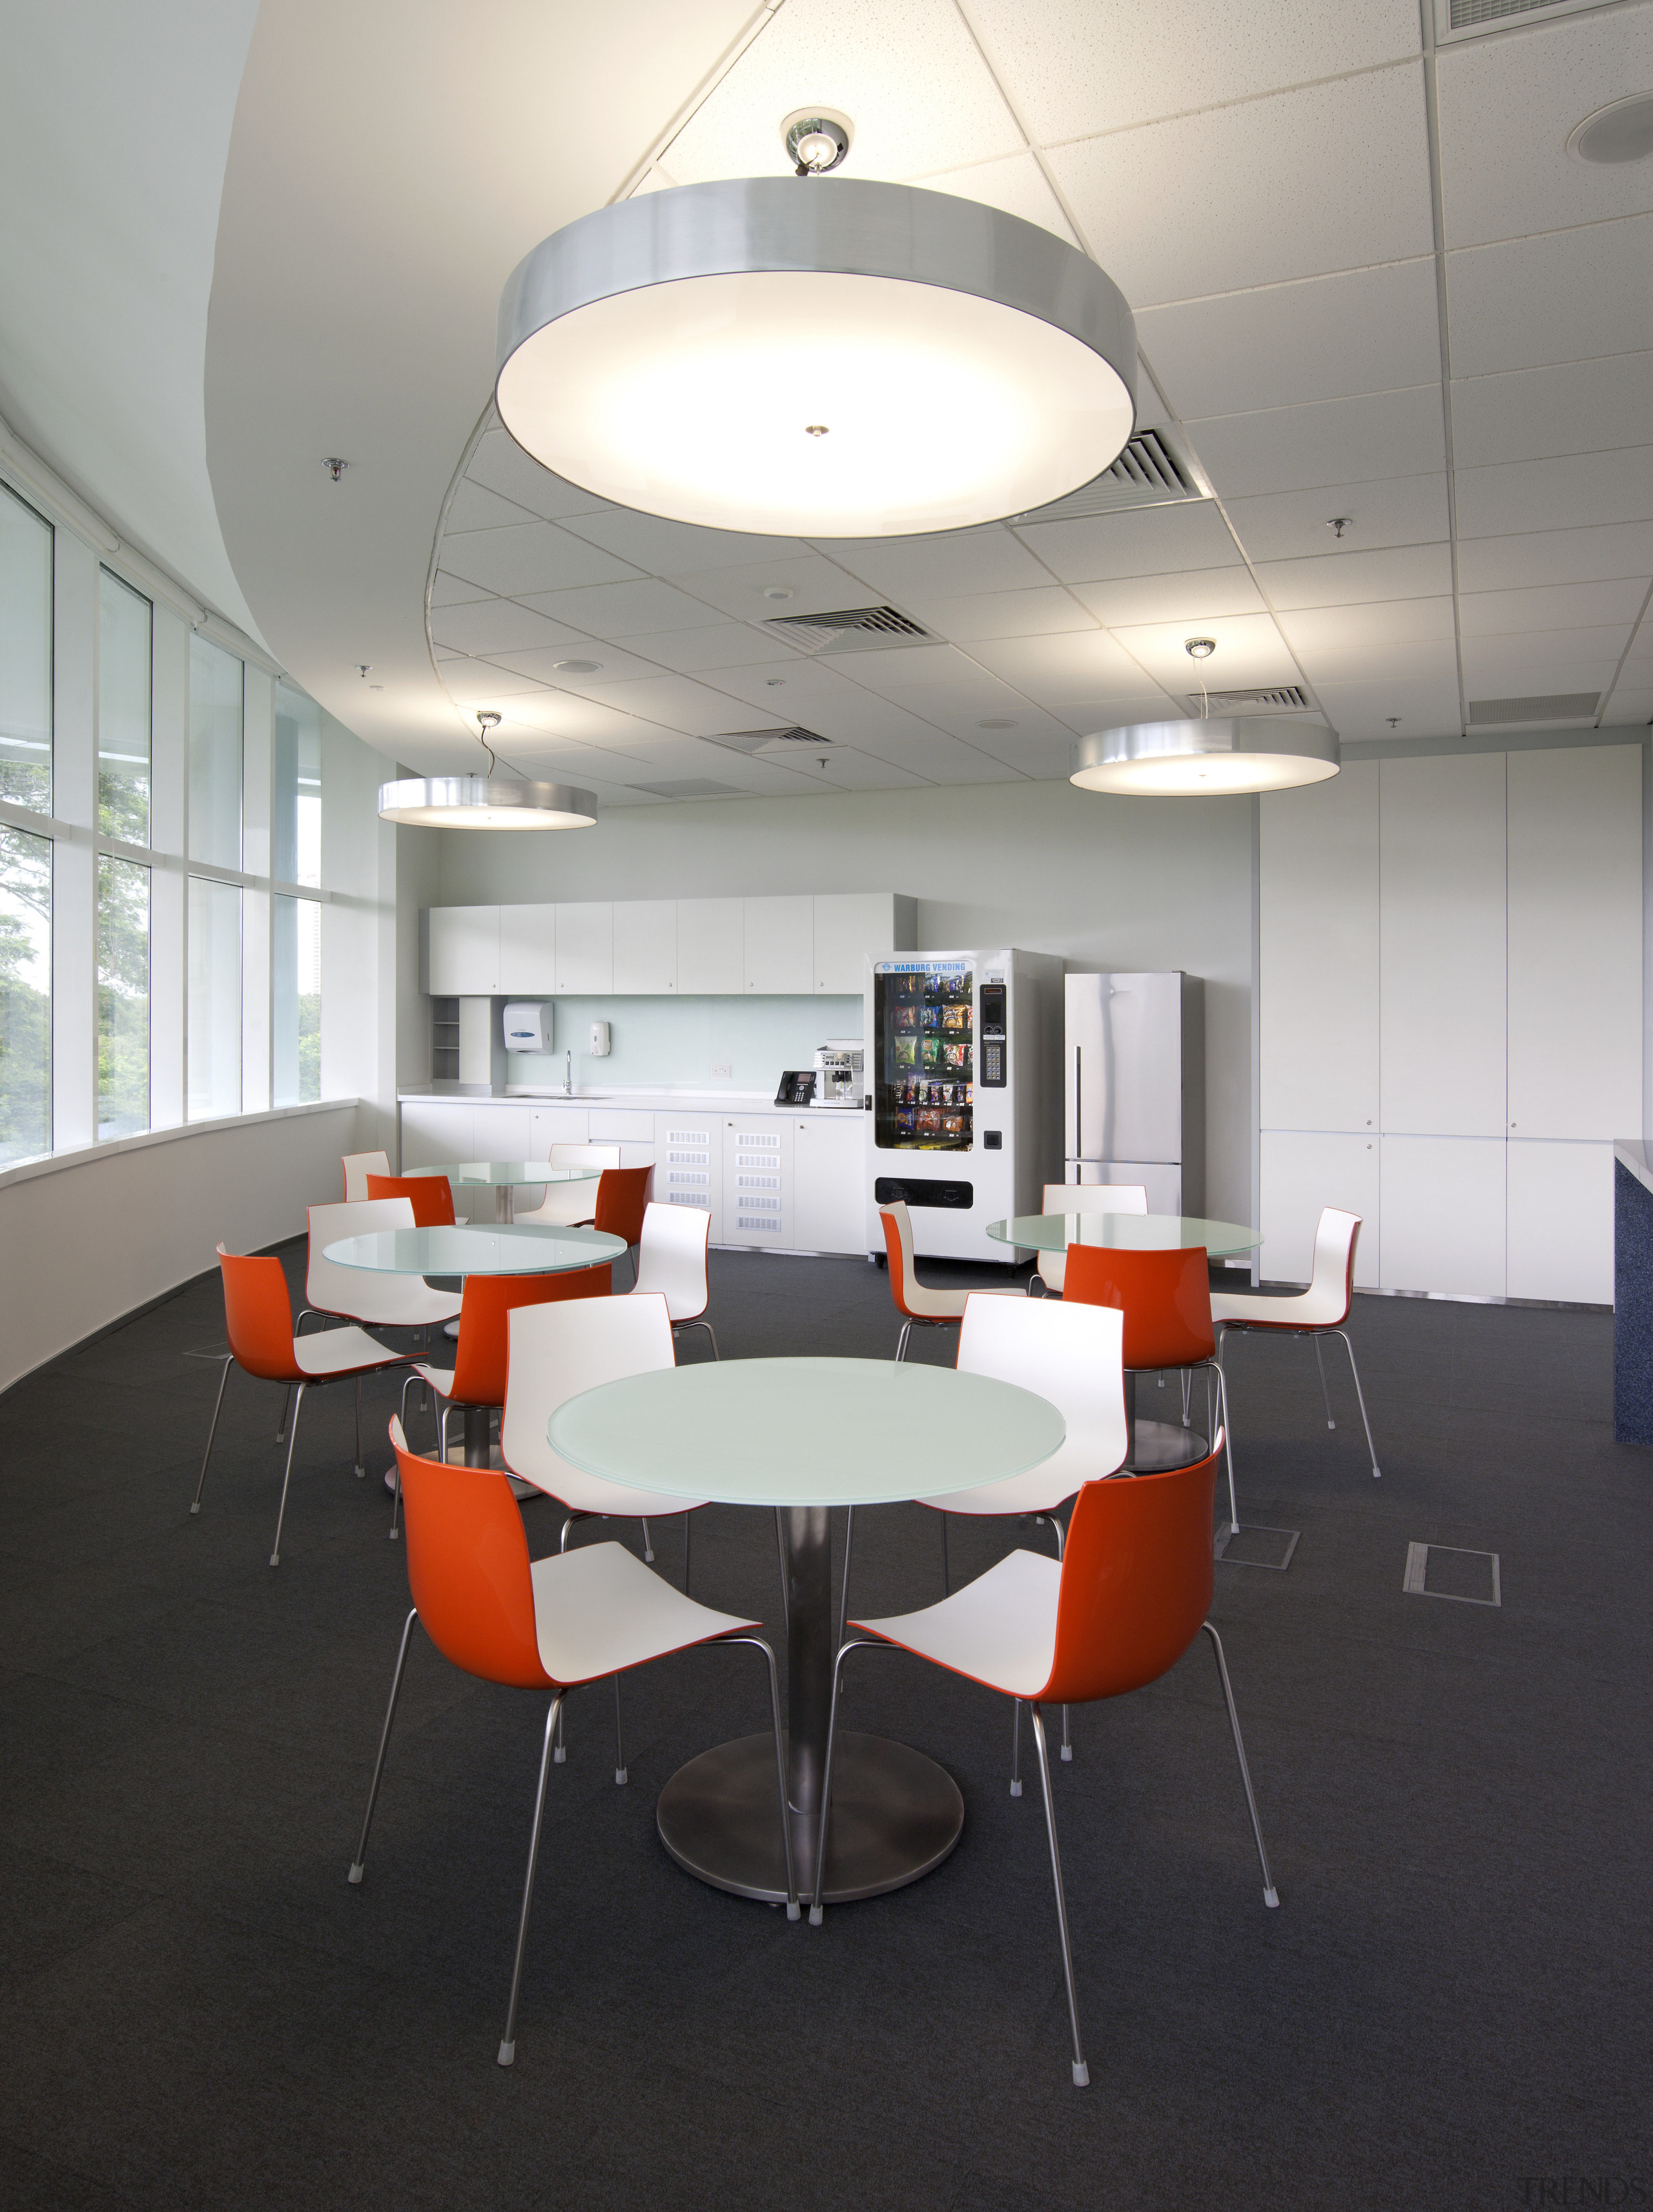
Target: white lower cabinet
[434, 1131]
[1303, 1170]
[757, 1195]
[689, 1164]
[1560, 1222]
[557, 1125]
[1442, 1215]
[828, 1164]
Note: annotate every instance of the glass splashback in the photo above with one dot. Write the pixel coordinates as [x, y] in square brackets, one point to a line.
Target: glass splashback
[924, 1051]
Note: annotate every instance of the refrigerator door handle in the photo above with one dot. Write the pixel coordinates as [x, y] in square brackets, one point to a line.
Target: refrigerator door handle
[1079, 1100]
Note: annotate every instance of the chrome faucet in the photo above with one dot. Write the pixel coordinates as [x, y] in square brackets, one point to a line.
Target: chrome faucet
[568, 1075]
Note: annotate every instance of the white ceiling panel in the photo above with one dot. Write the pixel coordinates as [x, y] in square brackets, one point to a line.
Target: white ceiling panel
[500, 464]
[472, 508]
[1364, 710]
[1249, 650]
[984, 712]
[1555, 557]
[623, 610]
[1629, 709]
[1552, 607]
[1568, 296]
[1542, 661]
[1314, 630]
[447, 591]
[848, 768]
[521, 743]
[1331, 176]
[493, 626]
[721, 644]
[932, 567]
[814, 586]
[1077, 66]
[561, 715]
[479, 684]
[1196, 595]
[816, 698]
[677, 702]
[1081, 715]
[1400, 511]
[1087, 665]
[530, 557]
[1386, 433]
[1573, 493]
[1508, 106]
[605, 664]
[934, 757]
[1346, 579]
[666, 548]
[1015, 183]
[1044, 613]
[1330, 337]
[1530, 414]
[903, 668]
[1144, 541]
[1420, 661]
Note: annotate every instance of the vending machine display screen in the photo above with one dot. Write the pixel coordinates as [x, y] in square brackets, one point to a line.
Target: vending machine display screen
[924, 1045]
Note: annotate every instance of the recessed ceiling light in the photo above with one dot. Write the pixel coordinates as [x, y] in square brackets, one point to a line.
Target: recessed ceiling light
[997, 722]
[778, 592]
[774, 683]
[1165, 759]
[578, 667]
[1622, 131]
[816, 140]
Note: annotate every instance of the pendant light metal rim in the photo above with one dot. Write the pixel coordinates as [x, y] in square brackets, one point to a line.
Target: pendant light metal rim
[1259, 737]
[405, 800]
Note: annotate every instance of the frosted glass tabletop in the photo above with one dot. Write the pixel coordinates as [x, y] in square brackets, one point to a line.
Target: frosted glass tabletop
[462, 1250]
[1126, 1232]
[517, 1173]
[807, 1431]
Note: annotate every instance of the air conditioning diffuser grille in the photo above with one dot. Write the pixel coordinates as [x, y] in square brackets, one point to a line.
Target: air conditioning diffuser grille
[1148, 473]
[847, 629]
[1553, 707]
[1282, 699]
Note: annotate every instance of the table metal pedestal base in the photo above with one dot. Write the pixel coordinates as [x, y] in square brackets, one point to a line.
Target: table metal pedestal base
[896, 1815]
[1156, 1445]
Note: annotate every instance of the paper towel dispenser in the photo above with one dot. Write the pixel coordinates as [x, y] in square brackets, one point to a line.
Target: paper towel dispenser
[528, 1026]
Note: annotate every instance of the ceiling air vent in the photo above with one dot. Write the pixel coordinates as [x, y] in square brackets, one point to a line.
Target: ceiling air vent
[1283, 699]
[1552, 707]
[1148, 473]
[847, 629]
[1464, 18]
[771, 745]
[690, 787]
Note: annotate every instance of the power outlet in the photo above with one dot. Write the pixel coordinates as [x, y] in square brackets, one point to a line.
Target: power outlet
[722, 1068]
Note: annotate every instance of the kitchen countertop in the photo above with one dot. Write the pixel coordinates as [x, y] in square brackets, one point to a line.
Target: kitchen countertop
[639, 1100]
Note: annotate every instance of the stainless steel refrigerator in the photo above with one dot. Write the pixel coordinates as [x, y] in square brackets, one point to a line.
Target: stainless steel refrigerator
[1134, 1084]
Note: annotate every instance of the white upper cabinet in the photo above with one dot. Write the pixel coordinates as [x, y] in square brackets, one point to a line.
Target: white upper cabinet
[1319, 954]
[527, 951]
[1443, 940]
[780, 945]
[464, 951]
[584, 948]
[1575, 943]
[851, 927]
[710, 940]
[646, 946]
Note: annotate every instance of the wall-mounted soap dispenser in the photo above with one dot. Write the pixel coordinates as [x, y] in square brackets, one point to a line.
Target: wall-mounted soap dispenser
[600, 1045]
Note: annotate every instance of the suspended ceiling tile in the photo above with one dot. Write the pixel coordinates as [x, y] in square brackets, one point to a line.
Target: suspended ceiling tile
[1571, 493]
[447, 591]
[1044, 613]
[959, 560]
[720, 645]
[495, 626]
[678, 702]
[1555, 557]
[1144, 541]
[1082, 716]
[558, 756]
[531, 557]
[1331, 176]
[603, 664]
[666, 548]
[1313, 631]
[1045, 758]
[562, 715]
[1552, 607]
[500, 464]
[990, 717]
[1374, 330]
[1629, 709]
[1284, 525]
[1572, 295]
[813, 586]
[1508, 106]
[1543, 660]
[1384, 434]
[936, 758]
[814, 698]
[1532, 414]
[478, 682]
[1249, 650]
[472, 507]
[1343, 579]
[1420, 660]
[1088, 665]
[1419, 710]
[1015, 183]
[1197, 594]
[848, 768]
[623, 610]
[904, 667]
[1078, 66]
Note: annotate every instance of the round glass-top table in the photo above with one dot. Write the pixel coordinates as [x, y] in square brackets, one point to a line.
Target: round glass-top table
[1126, 1232]
[506, 1177]
[803, 1436]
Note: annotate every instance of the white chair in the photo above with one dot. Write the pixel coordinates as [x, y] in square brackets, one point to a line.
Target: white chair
[358, 1166]
[914, 1301]
[1320, 1310]
[1083, 1198]
[361, 1294]
[671, 1264]
[564, 1204]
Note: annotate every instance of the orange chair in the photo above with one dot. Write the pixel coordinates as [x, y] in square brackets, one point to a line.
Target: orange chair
[430, 1196]
[552, 1624]
[1128, 1597]
[622, 1201]
[259, 1321]
[914, 1301]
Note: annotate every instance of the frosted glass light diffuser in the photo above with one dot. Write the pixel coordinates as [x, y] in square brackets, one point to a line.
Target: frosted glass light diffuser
[1225, 754]
[482, 802]
[824, 357]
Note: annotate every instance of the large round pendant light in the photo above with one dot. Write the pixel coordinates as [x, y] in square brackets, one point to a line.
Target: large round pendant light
[485, 802]
[1169, 760]
[828, 358]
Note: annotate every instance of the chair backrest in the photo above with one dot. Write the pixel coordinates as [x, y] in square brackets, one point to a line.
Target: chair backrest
[558, 1350]
[672, 1258]
[1331, 1290]
[258, 1315]
[904, 1286]
[485, 1308]
[468, 1568]
[1165, 1298]
[1095, 1198]
[622, 1197]
[358, 1166]
[584, 1156]
[327, 1286]
[431, 1197]
[1070, 1354]
[1136, 1581]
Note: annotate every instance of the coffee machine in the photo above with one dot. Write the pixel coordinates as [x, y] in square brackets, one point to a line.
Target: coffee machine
[839, 1065]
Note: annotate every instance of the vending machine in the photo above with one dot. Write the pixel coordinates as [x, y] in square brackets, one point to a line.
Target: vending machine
[964, 1071]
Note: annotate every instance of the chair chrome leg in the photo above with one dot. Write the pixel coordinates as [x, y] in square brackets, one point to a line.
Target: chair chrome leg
[508, 2041]
[793, 1909]
[1015, 1746]
[688, 1527]
[1188, 1380]
[287, 1408]
[358, 1864]
[946, 1561]
[901, 1341]
[707, 1326]
[287, 1476]
[785, 1601]
[1228, 1436]
[361, 1467]
[1056, 1528]
[843, 1588]
[1319, 1361]
[1270, 1894]
[212, 1430]
[396, 1499]
[619, 1737]
[1361, 1395]
[1081, 2071]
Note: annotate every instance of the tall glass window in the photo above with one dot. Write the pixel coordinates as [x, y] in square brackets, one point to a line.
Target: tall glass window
[296, 984]
[24, 995]
[123, 717]
[123, 997]
[215, 679]
[213, 1084]
[296, 838]
[25, 655]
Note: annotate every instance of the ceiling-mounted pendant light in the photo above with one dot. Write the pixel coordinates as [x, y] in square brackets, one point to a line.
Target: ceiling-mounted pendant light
[792, 355]
[1217, 754]
[485, 802]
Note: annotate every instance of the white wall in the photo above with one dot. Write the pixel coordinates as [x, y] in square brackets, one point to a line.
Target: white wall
[1106, 883]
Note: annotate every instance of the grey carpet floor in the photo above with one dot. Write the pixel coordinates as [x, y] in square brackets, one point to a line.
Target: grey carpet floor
[1450, 2008]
